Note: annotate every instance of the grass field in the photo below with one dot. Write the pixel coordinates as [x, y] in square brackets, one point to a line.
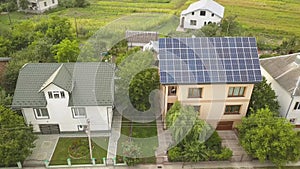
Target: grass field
[141, 134]
[270, 19]
[61, 153]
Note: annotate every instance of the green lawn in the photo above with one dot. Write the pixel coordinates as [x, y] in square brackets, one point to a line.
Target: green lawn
[61, 153]
[140, 131]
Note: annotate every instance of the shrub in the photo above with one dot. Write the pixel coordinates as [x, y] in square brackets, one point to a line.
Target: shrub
[225, 154]
[214, 142]
[174, 154]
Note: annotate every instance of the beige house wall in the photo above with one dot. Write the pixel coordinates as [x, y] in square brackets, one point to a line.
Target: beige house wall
[213, 101]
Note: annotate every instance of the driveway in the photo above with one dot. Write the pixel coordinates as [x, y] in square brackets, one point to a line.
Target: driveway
[45, 146]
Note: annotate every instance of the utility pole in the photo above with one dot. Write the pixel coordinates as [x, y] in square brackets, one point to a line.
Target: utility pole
[76, 25]
[88, 131]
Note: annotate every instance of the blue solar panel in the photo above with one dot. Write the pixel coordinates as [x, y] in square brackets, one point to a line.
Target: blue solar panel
[208, 60]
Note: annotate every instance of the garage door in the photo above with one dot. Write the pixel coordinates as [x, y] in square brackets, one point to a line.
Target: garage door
[225, 125]
[49, 128]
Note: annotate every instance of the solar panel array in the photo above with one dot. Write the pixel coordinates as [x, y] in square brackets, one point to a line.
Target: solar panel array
[208, 60]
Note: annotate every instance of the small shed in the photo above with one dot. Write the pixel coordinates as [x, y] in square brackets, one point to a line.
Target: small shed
[140, 38]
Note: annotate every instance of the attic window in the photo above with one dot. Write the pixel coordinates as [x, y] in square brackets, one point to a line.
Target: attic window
[56, 94]
[202, 13]
[212, 15]
[193, 13]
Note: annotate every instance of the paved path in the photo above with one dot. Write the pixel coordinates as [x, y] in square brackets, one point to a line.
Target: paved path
[230, 140]
[202, 165]
[115, 135]
[45, 146]
[164, 139]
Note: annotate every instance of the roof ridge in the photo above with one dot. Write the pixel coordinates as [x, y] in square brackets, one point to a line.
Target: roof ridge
[50, 79]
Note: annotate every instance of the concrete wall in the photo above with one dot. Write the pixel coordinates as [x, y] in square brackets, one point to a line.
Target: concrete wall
[200, 19]
[214, 100]
[60, 113]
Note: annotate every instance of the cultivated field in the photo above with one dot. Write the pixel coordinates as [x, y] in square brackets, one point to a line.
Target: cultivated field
[266, 19]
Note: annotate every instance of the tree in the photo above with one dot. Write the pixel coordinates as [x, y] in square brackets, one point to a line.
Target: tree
[5, 47]
[141, 86]
[16, 138]
[288, 46]
[263, 96]
[267, 137]
[23, 4]
[66, 51]
[230, 27]
[5, 99]
[210, 30]
[80, 3]
[131, 152]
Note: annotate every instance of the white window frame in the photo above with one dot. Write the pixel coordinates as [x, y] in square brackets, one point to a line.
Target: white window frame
[56, 94]
[38, 113]
[76, 113]
[193, 22]
[235, 91]
[81, 127]
[297, 106]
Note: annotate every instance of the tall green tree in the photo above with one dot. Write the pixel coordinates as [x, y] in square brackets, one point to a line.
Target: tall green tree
[263, 96]
[16, 138]
[267, 137]
[141, 86]
[5, 47]
[66, 51]
[23, 4]
[230, 27]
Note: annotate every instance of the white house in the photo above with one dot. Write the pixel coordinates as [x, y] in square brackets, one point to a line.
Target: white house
[201, 13]
[63, 97]
[40, 6]
[283, 72]
[215, 75]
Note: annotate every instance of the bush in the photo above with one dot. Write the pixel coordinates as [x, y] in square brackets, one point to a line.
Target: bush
[214, 142]
[225, 154]
[174, 154]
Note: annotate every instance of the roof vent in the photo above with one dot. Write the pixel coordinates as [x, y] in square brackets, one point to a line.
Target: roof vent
[297, 60]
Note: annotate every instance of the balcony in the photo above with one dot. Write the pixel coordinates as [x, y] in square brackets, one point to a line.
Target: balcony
[172, 94]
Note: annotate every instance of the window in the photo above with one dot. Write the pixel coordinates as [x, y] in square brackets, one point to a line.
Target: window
[193, 22]
[56, 94]
[195, 93]
[172, 90]
[50, 95]
[41, 113]
[193, 13]
[197, 109]
[236, 91]
[45, 3]
[202, 13]
[79, 112]
[232, 109]
[204, 23]
[53, 1]
[212, 15]
[293, 121]
[62, 94]
[297, 106]
[81, 127]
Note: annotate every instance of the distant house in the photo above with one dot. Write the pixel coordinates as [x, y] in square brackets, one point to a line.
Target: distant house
[283, 72]
[201, 13]
[62, 97]
[40, 6]
[215, 75]
[3, 64]
[140, 38]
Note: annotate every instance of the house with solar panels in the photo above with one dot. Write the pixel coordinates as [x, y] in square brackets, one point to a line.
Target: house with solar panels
[201, 13]
[215, 75]
[63, 97]
[283, 72]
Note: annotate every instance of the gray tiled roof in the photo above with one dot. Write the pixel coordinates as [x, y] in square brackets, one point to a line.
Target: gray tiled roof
[89, 83]
[284, 70]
